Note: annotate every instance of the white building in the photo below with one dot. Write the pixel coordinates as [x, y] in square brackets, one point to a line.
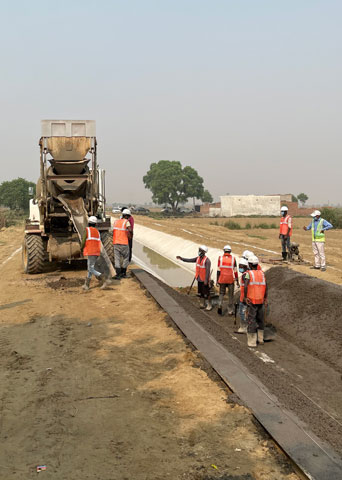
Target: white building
[247, 205]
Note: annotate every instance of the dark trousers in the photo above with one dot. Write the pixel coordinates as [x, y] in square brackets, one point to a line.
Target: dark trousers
[130, 244]
[255, 317]
[203, 290]
[285, 243]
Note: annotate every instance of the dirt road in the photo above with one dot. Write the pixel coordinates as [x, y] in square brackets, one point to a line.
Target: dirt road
[98, 385]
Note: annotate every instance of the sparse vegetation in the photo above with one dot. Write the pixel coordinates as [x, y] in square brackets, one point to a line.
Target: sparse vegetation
[333, 215]
[231, 225]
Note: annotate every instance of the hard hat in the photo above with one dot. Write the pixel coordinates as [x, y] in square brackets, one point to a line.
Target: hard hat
[203, 248]
[92, 219]
[253, 260]
[247, 254]
[316, 213]
[227, 248]
[284, 208]
[126, 211]
[243, 261]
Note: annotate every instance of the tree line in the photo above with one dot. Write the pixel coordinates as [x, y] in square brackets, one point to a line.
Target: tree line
[15, 194]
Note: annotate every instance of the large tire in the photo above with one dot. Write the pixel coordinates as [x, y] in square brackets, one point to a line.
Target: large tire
[33, 254]
[107, 241]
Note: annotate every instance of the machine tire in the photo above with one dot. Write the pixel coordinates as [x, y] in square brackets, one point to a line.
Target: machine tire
[33, 254]
[107, 241]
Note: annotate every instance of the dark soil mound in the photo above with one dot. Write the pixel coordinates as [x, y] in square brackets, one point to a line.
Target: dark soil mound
[308, 311]
[64, 283]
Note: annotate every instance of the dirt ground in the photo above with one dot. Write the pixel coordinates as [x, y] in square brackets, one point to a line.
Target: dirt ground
[205, 230]
[99, 385]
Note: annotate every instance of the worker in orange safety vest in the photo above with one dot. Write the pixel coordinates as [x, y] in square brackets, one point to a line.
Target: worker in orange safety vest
[122, 233]
[226, 275]
[255, 297]
[285, 232]
[91, 245]
[202, 275]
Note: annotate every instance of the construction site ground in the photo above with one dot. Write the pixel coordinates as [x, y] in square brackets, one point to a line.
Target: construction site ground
[99, 385]
[211, 231]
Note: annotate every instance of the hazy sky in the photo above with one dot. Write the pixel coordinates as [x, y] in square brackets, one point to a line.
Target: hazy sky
[246, 91]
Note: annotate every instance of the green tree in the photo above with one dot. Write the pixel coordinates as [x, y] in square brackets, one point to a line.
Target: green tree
[15, 194]
[171, 184]
[207, 197]
[294, 198]
[302, 197]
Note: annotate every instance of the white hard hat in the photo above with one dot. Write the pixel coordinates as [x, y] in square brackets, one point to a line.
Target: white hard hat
[126, 211]
[284, 208]
[316, 213]
[204, 248]
[253, 260]
[228, 248]
[243, 261]
[246, 254]
[92, 219]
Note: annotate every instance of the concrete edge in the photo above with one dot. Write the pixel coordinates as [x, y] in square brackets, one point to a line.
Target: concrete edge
[315, 458]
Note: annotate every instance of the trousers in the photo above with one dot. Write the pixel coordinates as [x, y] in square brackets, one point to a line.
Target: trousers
[230, 287]
[91, 266]
[285, 243]
[121, 256]
[255, 317]
[318, 251]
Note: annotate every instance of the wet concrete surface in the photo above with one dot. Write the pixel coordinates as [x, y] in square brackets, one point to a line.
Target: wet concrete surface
[162, 268]
[303, 383]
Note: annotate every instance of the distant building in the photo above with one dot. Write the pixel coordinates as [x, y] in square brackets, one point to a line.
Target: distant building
[246, 205]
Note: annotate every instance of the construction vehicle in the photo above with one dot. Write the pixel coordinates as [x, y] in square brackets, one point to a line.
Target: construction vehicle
[71, 187]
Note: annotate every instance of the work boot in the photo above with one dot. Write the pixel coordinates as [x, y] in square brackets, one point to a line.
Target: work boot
[123, 273]
[202, 303]
[284, 255]
[252, 339]
[219, 309]
[323, 269]
[86, 284]
[106, 283]
[260, 337]
[118, 274]
[209, 305]
[101, 279]
[315, 268]
[242, 329]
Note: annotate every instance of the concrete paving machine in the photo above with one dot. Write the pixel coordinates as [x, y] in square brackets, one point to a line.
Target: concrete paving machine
[70, 188]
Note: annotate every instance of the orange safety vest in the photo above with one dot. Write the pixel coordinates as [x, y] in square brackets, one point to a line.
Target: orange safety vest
[93, 242]
[256, 287]
[200, 268]
[284, 226]
[120, 232]
[242, 288]
[226, 268]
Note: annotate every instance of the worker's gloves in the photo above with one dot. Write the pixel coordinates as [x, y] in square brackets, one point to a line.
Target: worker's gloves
[304, 228]
[279, 236]
[178, 257]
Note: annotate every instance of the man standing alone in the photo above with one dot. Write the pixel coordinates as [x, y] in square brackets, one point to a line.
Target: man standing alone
[285, 232]
[318, 226]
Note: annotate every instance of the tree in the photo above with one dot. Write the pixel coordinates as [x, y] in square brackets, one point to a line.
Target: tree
[302, 197]
[15, 194]
[171, 184]
[207, 197]
[294, 199]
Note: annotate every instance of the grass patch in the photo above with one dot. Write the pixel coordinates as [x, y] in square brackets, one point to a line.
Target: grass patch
[333, 215]
[231, 225]
[265, 226]
[256, 236]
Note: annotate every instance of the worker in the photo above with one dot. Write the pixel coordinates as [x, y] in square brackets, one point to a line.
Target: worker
[202, 275]
[255, 297]
[91, 246]
[243, 267]
[226, 274]
[318, 226]
[285, 232]
[130, 240]
[122, 232]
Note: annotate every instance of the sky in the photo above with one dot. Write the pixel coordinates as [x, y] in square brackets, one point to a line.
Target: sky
[247, 92]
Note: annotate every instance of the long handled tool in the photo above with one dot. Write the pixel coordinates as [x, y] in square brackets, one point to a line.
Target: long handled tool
[191, 285]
